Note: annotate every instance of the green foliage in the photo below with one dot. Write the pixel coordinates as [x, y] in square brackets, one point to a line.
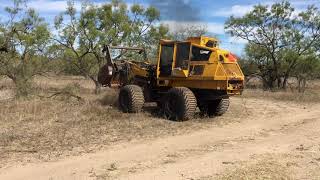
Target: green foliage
[25, 36]
[308, 67]
[110, 24]
[277, 39]
[248, 67]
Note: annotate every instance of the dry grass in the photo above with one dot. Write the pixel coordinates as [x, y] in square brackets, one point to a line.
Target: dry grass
[44, 129]
[274, 166]
[266, 168]
[311, 95]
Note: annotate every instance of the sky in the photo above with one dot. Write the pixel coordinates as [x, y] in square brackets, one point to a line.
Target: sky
[210, 13]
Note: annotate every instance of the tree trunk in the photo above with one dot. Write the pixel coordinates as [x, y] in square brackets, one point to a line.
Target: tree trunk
[97, 89]
[279, 80]
[299, 84]
[302, 85]
[265, 84]
[285, 82]
[268, 83]
[274, 77]
[271, 84]
[98, 86]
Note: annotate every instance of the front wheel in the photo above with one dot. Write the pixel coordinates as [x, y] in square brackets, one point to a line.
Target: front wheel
[131, 99]
[179, 104]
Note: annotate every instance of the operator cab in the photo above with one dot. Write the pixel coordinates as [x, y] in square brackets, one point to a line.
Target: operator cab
[177, 57]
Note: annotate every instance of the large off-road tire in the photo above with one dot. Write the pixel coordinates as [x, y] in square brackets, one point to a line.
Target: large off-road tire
[216, 107]
[131, 99]
[179, 104]
[222, 107]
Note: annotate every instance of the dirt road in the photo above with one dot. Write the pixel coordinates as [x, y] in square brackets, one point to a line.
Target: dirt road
[280, 136]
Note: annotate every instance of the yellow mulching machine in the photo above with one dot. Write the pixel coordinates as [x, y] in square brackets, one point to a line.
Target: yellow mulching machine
[188, 74]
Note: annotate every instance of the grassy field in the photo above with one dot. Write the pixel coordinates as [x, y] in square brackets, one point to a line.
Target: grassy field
[311, 95]
[65, 118]
[42, 129]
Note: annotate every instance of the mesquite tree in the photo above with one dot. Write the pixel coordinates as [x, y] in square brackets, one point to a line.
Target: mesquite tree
[85, 33]
[273, 33]
[24, 37]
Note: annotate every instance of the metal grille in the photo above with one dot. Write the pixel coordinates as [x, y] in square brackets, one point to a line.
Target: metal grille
[232, 69]
[220, 71]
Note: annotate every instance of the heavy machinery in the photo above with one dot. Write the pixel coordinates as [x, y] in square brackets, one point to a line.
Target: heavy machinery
[188, 74]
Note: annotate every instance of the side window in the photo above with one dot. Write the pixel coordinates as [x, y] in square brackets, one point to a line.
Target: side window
[182, 55]
[166, 59]
[200, 54]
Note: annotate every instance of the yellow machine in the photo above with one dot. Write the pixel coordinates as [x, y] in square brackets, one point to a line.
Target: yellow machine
[188, 74]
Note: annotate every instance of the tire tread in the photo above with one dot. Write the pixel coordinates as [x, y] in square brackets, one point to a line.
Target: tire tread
[136, 100]
[189, 100]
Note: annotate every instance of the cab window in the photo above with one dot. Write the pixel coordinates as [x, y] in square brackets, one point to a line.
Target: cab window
[166, 59]
[182, 55]
[200, 54]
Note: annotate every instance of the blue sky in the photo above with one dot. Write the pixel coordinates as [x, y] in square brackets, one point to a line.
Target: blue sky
[211, 13]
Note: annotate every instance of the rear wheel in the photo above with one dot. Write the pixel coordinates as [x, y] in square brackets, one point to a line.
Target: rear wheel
[180, 104]
[131, 98]
[216, 107]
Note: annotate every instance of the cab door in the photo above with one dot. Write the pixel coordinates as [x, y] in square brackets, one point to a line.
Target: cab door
[166, 59]
[182, 58]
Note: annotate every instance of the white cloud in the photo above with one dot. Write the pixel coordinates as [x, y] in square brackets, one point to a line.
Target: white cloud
[215, 28]
[240, 10]
[61, 5]
[51, 6]
[45, 5]
[236, 10]
[304, 2]
[48, 6]
[212, 27]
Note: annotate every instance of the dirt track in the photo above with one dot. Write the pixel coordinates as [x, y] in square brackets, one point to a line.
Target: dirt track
[285, 133]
